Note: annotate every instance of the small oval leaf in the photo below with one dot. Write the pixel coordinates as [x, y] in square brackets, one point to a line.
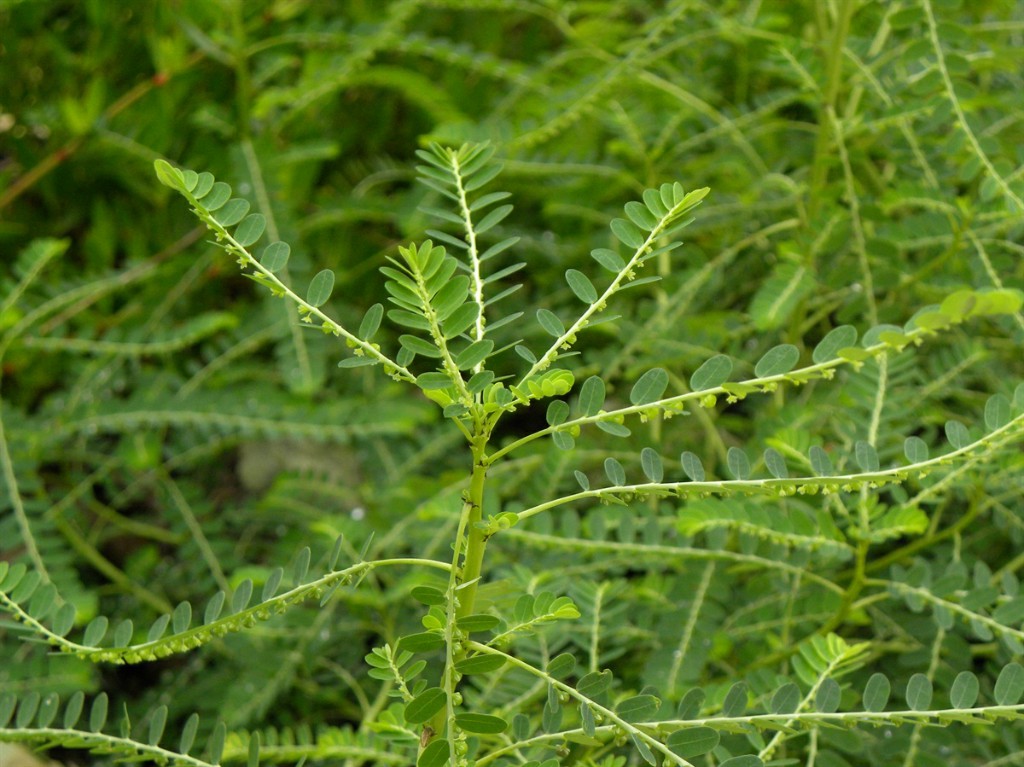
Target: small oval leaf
[320, 287]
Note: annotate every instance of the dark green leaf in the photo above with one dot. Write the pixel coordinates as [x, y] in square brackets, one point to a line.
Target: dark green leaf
[157, 722]
[479, 664]
[27, 709]
[421, 708]
[639, 708]
[643, 749]
[188, 734]
[483, 724]
[215, 745]
[557, 413]
[423, 642]
[786, 699]
[436, 754]
[430, 381]
[428, 595]
[477, 622]
[747, 760]
[72, 712]
[692, 741]
[48, 710]
[98, 713]
[735, 702]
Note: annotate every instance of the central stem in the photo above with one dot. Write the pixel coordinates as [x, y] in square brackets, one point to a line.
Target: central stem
[476, 540]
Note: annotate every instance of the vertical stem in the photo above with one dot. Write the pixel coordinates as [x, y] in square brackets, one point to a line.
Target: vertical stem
[833, 72]
[476, 541]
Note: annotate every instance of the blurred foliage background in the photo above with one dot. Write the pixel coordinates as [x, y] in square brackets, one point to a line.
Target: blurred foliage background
[172, 430]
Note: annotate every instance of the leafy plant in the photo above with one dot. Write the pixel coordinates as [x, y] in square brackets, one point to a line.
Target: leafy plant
[531, 530]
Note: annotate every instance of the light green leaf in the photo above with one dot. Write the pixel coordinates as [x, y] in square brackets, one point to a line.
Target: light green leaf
[821, 465]
[250, 230]
[712, 373]
[777, 360]
[649, 387]
[957, 434]
[581, 286]
[493, 218]
[320, 287]
[775, 463]
[591, 396]
[692, 466]
[919, 692]
[233, 212]
[219, 194]
[964, 692]
[616, 474]
[866, 455]
[628, 233]
[550, 322]
[609, 259]
[1010, 685]
[779, 295]
[826, 700]
[997, 412]
[876, 692]
[651, 463]
[916, 449]
[275, 256]
[739, 464]
[168, 175]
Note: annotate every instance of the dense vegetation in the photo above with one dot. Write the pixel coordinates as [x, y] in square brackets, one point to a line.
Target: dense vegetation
[722, 419]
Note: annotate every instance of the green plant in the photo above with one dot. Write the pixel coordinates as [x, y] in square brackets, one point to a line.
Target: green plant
[509, 558]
